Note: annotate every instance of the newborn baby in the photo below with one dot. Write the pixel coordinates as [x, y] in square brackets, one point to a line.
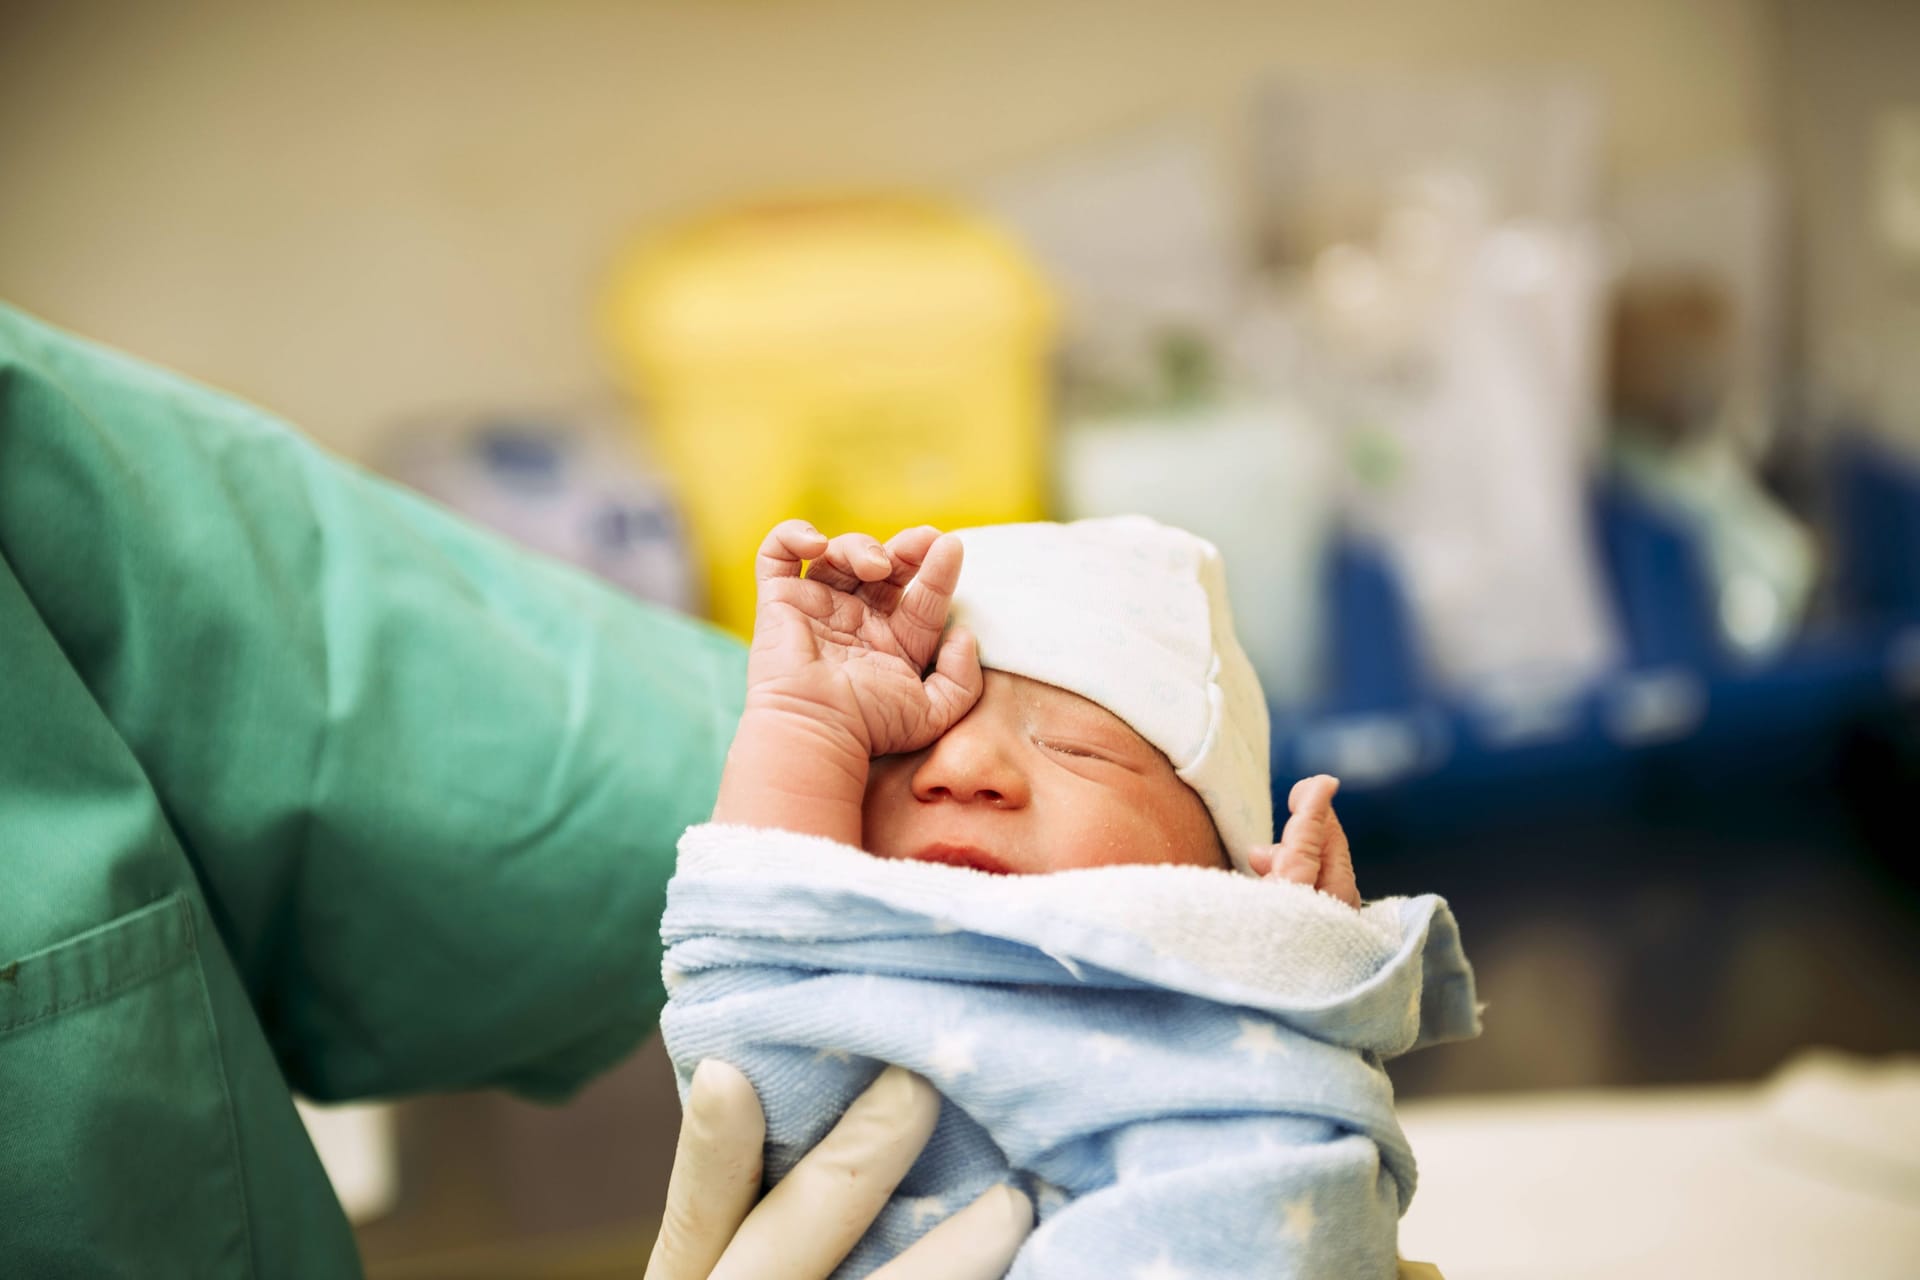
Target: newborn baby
[1180, 1065]
[997, 770]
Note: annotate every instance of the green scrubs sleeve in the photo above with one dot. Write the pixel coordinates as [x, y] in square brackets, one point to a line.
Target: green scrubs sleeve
[429, 785]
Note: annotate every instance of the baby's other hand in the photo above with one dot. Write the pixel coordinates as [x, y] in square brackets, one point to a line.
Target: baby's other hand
[848, 641]
[1313, 849]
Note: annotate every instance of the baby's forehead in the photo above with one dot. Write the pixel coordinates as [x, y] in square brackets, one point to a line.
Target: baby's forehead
[1039, 697]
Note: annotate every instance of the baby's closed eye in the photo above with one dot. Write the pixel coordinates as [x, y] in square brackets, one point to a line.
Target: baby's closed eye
[1077, 753]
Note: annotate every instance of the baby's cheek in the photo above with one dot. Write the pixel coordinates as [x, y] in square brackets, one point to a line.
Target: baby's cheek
[888, 780]
[1184, 832]
[887, 791]
[1122, 838]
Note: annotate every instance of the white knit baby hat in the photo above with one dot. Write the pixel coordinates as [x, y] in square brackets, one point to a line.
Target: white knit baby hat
[1133, 615]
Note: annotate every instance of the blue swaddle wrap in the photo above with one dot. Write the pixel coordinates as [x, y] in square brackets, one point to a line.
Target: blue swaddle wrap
[1181, 1065]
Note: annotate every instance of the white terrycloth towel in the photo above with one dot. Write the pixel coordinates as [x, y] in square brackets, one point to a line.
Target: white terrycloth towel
[1181, 1065]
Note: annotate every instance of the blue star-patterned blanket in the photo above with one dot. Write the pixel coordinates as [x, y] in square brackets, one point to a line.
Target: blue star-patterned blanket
[1182, 1066]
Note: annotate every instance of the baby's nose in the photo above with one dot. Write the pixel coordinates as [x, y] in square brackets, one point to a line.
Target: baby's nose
[970, 767]
[940, 791]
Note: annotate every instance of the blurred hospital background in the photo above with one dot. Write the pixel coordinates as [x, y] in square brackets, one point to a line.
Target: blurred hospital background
[1549, 374]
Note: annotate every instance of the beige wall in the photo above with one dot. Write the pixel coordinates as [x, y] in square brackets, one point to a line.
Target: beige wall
[1847, 65]
[356, 212]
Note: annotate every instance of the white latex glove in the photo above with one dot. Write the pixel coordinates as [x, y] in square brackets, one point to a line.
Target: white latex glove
[712, 1228]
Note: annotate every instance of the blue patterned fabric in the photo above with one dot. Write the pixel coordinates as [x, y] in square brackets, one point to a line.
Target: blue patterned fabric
[1181, 1066]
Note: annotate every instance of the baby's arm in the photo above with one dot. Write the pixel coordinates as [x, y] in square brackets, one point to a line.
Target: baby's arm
[838, 674]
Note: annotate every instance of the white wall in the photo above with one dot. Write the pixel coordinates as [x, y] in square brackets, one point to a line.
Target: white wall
[356, 212]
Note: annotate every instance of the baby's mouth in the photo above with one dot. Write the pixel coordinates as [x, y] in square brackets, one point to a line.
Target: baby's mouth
[961, 855]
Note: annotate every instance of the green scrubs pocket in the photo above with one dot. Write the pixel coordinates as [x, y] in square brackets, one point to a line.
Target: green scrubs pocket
[117, 1147]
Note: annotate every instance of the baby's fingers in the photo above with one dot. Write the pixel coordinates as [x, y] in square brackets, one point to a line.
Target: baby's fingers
[922, 613]
[785, 547]
[908, 548]
[1313, 848]
[956, 682]
[851, 560]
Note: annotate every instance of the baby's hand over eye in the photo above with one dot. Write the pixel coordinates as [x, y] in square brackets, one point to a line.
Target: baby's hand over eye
[847, 643]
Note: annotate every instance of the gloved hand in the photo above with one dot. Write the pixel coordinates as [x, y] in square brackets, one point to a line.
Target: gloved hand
[713, 1229]
[1313, 849]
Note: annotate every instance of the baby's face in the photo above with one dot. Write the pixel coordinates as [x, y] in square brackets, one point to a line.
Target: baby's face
[1036, 779]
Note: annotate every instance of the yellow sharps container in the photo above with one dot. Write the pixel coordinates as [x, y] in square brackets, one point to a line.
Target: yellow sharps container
[864, 363]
